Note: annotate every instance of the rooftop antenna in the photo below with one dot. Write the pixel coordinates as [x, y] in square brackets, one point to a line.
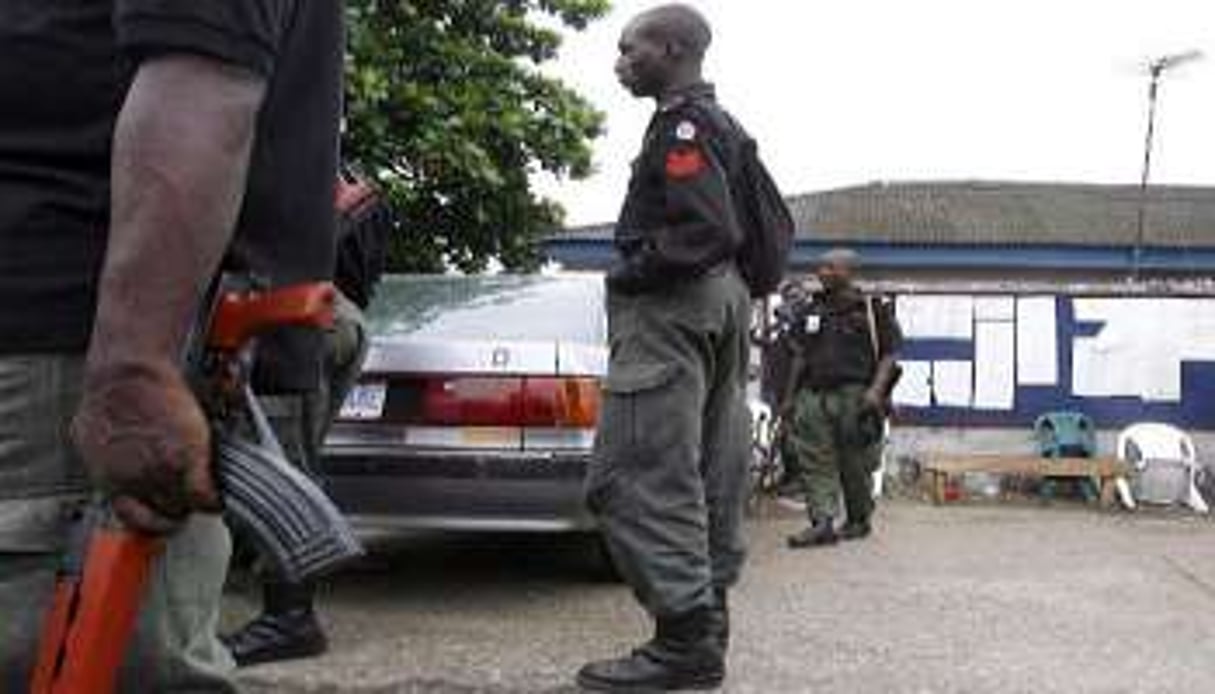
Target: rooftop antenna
[1156, 70]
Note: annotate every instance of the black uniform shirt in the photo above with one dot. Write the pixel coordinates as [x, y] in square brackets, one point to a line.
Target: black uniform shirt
[678, 220]
[65, 66]
[836, 343]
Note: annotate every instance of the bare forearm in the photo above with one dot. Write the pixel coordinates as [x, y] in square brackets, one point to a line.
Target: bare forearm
[883, 379]
[181, 153]
[181, 150]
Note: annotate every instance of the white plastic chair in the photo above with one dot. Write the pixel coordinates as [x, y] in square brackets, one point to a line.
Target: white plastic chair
[1148, 442]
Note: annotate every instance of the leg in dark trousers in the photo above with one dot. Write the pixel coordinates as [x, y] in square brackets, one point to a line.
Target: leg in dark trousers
[668, 479]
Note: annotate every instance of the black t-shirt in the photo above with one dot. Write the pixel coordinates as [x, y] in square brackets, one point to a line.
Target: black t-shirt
[65, 66]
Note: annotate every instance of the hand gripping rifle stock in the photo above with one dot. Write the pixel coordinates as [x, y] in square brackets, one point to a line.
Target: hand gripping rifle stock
[100, 586]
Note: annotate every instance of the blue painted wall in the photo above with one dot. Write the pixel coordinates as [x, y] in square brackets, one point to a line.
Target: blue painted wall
[1120, 360]
[596, 253]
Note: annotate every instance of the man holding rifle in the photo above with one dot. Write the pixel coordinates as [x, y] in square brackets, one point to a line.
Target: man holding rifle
[143, 143]
[848, 344]
[288, 626]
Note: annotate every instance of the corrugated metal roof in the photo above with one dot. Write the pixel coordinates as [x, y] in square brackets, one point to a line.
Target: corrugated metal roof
[997, 214]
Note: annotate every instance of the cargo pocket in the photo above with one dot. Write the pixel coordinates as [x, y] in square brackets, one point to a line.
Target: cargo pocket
[634, 378]
[620, 441]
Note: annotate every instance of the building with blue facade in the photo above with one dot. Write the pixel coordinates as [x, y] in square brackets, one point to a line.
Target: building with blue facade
[982, 229]
[1019, 299]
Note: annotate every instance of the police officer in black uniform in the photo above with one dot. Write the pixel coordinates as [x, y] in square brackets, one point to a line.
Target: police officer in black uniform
[668, 479]
[847, 343]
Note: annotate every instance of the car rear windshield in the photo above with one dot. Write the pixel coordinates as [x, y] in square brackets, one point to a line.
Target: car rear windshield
[503, 307]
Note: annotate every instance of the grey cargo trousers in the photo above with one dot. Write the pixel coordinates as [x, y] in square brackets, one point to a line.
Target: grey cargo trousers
[668, 478]
[42, 490]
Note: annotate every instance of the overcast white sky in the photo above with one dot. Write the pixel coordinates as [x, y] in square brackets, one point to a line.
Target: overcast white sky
[843, 92]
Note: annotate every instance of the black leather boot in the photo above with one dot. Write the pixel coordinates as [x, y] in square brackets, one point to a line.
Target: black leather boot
[820, 533]
[684, 655]
[286, 629]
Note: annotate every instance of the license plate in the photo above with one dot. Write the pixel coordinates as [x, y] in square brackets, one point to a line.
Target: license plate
[365, 401]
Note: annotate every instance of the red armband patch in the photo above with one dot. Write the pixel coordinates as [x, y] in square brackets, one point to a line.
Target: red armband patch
[685, 162]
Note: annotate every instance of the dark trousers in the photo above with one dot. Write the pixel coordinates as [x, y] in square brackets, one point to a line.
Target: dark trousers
[668, 479]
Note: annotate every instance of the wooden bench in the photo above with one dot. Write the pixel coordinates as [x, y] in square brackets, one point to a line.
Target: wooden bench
[938, 469]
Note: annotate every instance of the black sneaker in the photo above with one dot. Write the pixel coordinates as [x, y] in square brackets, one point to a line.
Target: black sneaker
[272, 637]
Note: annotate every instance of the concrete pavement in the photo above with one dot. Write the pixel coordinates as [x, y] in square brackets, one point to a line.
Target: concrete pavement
[958, 599]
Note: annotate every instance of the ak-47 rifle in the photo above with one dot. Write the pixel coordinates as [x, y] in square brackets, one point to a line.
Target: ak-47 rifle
[104, 574]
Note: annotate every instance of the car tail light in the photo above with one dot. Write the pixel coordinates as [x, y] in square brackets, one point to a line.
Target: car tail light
[491, 401]
[476, 401]
[561, 402]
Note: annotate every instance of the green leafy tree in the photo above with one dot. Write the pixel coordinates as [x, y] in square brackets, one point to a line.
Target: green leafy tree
[449, 109]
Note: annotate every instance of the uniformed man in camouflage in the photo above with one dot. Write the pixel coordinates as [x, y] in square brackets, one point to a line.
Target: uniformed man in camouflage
[847, 343]
[668, 479]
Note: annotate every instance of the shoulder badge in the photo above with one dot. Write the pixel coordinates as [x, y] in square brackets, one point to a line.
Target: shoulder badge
[685, 161]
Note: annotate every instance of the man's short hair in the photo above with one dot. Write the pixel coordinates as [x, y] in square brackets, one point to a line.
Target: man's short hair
[681, 24]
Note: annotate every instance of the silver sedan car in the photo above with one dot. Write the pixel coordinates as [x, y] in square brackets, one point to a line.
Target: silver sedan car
[476, 408]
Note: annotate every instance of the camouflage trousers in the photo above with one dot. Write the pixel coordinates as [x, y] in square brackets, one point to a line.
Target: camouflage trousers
[831, 455]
